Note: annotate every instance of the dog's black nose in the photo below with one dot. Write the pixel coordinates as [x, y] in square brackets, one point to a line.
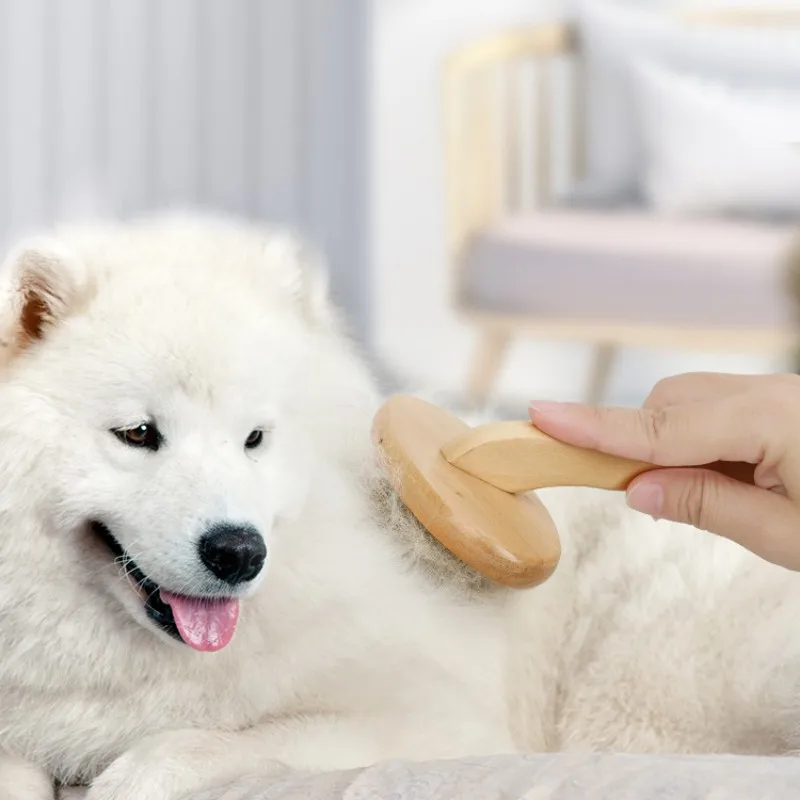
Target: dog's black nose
[234, 553]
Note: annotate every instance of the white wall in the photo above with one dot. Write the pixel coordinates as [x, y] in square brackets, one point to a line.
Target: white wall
[413, 330]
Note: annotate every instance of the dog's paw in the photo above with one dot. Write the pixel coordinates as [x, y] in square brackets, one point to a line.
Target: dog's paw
[21, 780]
[176, 764]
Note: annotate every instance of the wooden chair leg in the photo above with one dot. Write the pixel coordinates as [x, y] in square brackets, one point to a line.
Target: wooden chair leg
[492, 347]
[600, 374]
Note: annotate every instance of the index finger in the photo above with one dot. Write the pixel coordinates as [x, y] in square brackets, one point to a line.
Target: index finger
[692, 386]
[688, 434]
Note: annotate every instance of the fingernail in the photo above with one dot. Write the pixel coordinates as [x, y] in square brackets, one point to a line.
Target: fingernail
[647, 498]
[546, 407]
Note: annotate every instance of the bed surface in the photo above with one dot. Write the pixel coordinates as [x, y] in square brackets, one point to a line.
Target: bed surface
[544, 777]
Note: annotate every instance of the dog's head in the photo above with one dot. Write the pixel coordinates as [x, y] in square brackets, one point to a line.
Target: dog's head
[173, 387]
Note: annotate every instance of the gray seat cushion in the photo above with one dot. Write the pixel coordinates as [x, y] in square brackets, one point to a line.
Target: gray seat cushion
[630, 267]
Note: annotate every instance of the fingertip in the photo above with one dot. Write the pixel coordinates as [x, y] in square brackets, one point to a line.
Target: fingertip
[646, 497]
[573, 423]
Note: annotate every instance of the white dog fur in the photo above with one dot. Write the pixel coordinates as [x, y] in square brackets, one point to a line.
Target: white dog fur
[360, 640]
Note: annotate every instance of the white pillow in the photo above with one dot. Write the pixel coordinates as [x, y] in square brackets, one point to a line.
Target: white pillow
[615, 34]
[713, 149]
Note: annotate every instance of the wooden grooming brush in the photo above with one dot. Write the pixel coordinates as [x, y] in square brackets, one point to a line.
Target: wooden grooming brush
[469, 486]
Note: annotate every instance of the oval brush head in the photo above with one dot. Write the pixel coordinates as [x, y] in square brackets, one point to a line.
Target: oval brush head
[469, 486]
[509, 539]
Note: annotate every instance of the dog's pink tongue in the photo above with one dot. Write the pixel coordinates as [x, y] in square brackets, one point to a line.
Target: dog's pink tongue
[204, 624]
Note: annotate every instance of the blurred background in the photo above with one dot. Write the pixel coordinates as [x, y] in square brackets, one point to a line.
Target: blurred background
[517, 198]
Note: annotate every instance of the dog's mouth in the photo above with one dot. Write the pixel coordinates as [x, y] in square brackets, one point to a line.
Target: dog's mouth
[204, 623]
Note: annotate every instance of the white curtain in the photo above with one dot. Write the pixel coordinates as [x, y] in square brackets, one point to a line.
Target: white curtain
[253, 107]
[128, 105]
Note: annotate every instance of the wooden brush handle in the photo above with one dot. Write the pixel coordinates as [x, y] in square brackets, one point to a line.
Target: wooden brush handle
[517, 457]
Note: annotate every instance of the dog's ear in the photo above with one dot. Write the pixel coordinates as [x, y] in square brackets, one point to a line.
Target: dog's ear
[41, 283]
[303, 273]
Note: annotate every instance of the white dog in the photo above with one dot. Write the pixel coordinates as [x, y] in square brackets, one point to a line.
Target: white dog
[203, 573]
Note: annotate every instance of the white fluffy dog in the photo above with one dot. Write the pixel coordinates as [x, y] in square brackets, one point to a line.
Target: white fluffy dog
[203, 573]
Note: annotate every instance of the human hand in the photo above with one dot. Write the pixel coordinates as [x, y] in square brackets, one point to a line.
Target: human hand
[695, 419]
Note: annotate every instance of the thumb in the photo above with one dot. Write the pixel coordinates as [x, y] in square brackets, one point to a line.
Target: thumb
[766, 523]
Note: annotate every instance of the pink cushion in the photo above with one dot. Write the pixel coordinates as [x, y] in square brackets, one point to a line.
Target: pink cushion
[631, 267]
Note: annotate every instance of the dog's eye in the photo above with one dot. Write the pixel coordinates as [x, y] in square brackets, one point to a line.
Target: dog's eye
[145, 435]
[255, 438]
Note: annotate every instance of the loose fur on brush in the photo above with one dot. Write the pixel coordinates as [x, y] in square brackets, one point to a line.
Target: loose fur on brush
[362, 639]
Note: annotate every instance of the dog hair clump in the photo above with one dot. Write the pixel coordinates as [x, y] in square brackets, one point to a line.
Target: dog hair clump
[420, 549]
